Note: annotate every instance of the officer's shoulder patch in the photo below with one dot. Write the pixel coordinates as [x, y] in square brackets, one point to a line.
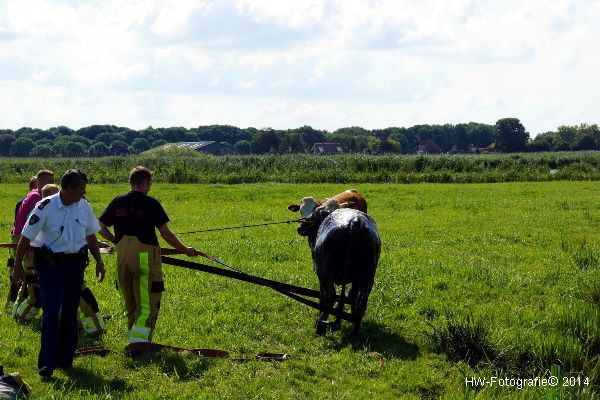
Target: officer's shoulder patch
[43, 204]
[34, 219]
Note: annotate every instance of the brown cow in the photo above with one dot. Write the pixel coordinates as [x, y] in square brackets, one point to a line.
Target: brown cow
[348, 199]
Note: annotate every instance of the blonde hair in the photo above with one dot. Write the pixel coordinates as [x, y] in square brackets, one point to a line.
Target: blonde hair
[50, 189]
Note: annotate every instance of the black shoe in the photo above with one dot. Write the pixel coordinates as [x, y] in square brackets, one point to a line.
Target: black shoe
[64, 367]
[45, 372]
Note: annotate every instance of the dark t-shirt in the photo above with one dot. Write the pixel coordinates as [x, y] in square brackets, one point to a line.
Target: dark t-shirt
[135, 214]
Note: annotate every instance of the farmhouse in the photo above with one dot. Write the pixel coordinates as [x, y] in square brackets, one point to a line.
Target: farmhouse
[327, 148]
[209, 147]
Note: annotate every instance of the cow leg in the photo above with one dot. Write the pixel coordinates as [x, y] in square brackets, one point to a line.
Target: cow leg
[352, 297]
[362, 296]
[327, 294]
[335, 325]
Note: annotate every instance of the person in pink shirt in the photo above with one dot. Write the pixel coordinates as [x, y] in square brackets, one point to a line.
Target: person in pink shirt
[14, 288]
[44, 177]
[28, 303]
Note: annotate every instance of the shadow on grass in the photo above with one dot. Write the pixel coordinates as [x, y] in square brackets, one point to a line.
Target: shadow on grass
[378, 338]
[82, 379]
[184, 367]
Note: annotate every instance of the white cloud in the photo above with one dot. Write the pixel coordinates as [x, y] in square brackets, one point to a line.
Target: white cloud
[326, 63]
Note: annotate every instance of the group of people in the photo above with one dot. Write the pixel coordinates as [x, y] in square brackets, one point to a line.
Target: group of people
[56, 232]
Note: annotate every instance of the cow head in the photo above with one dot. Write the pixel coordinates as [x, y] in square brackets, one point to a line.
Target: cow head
[306, 207]
[313, 221]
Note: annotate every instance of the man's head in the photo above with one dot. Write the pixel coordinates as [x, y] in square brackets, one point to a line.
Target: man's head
[32, 183]
[44, 177]
[72, 186]
[140, 179]
[50, 189]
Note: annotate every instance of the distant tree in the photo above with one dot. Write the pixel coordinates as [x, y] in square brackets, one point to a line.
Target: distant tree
[77, 139]
[265, 141]
[99, 150]
[109, 137]
[586, 142]
[223, 133]
[480, 135]
[307, 136]
[373, 144]
[42, 151]
[354, 131]
[64, 131]
[511, 135]
[21, 147]
[129, 135]
[589, 130]
[59, 147]
[430, 147]
[190, 137]
[44, 141]
[292, 143]
[92, 132]
[242, 147]
[54, 132]
[6, 142]
[140, 145]
[158, 142]
[388, 146]
[75, 149]
[461, 138]
[174, 134]
[564, 138]
[119, 148]
[540, 143]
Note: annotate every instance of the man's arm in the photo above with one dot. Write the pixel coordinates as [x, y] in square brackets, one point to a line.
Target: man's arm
[106, 233]
[22, 248]
[174, 241]
[92, 243]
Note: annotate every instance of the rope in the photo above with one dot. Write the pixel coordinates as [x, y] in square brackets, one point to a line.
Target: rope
[241, 226]
[288, 290]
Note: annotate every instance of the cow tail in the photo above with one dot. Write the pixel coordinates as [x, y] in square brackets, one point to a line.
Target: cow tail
[347, 260]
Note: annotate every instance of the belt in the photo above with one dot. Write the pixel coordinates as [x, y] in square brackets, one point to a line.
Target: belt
[67, 255]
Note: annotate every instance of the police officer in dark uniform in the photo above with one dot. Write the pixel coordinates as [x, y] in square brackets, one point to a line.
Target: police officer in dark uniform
[60, 229]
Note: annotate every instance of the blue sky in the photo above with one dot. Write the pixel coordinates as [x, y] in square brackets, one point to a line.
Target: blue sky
[284, 64]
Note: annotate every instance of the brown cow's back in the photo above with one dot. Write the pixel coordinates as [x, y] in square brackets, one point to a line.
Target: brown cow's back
[353, 198]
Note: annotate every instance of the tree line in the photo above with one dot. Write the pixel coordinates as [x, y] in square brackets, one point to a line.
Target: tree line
[506, 135]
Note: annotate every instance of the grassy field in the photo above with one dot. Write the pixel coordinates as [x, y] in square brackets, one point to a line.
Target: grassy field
[475, 281]
[192, 167]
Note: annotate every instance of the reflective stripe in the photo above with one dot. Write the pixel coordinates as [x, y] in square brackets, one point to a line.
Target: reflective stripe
[26, 311]
[88, 325]
[139, 334]
[136, 340]
[100, 319]
[93, 324]
[144, 295]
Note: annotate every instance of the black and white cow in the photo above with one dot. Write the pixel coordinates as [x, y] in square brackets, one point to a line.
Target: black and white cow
[345, 248]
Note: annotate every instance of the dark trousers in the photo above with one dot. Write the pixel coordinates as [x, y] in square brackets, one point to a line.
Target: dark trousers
[60, 287]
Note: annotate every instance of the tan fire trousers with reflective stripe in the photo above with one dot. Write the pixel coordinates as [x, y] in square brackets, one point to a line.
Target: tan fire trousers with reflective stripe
[141, 281]
[28, 302]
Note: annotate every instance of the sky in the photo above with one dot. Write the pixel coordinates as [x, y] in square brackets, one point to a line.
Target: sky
[284, 64]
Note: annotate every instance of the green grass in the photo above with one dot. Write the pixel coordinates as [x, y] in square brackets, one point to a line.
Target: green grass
[511, 269]
[335, 169]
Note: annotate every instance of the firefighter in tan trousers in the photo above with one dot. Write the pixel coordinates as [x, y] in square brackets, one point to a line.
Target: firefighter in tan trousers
[135, 215]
